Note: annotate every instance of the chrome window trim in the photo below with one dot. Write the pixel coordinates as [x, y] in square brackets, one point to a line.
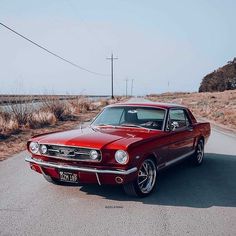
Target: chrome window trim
[164, 121]
[186, 114]
[153, 107]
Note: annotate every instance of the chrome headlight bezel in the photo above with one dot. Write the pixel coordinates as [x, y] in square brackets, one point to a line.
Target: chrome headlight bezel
[122, 157]
[94, 154]
[34, 147]
[43, 149]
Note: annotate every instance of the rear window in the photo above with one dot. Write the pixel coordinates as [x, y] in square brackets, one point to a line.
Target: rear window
[150, 114]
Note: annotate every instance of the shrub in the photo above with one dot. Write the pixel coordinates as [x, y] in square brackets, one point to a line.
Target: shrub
[8, 125]
[40, 119]
[104, 102]
[82, 105]
[57, 107]
[20, 110]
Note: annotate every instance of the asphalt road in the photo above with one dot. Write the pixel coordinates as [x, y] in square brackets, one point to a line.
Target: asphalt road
[189, 200]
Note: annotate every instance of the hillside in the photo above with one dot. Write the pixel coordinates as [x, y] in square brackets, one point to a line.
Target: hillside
[221, 79]
[218, 107]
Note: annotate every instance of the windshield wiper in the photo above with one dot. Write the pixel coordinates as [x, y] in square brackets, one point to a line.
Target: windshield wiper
[133, 125]
[106, 125]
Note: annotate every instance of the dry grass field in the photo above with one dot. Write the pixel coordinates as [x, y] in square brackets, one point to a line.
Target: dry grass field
[218, 107]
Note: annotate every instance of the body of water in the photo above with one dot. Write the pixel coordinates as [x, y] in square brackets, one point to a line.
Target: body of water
[37, 104]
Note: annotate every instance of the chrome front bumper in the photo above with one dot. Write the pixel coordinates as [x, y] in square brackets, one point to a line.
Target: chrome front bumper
[76, 168]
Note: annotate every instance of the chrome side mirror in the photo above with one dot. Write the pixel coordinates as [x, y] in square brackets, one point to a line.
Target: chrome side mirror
[174, 125]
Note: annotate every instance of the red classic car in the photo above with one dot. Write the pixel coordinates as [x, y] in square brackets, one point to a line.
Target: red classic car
[126, 144]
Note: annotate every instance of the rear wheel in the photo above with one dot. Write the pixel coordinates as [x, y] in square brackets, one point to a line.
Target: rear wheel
[145, 182]
[199, 153]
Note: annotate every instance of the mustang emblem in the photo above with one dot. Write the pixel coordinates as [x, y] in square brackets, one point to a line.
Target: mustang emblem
[66, 152]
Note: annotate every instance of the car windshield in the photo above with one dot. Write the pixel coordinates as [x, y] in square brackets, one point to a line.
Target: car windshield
[127, 116]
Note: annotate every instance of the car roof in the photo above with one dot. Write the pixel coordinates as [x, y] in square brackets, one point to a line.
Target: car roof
[149, 104]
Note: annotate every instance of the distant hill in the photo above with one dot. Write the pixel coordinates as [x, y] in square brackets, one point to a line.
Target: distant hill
[221, 79]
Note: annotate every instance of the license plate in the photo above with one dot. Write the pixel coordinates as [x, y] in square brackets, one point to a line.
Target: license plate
[70, 177]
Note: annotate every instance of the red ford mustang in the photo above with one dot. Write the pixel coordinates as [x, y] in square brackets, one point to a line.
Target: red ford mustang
[126, 144]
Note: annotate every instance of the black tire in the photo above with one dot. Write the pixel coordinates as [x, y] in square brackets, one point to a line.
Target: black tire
[198, 156]
[145, 182]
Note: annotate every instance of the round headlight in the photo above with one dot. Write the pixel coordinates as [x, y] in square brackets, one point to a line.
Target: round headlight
[34, 147]
[93, 154]
[43, 149]
[121, 157]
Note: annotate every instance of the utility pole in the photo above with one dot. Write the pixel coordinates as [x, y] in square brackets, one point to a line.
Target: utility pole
[132, 86]
[126, 87]
[112, 59]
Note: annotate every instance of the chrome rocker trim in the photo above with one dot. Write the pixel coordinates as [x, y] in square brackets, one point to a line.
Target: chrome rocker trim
[83, 169]
[179, 158]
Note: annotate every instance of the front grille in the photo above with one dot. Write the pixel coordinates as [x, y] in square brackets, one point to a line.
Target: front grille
[70, 153]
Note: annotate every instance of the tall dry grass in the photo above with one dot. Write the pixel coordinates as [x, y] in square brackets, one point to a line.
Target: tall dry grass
[40, 119]
[22, 114]
[8, 125]
[29, 115]
[55, 106]
[82, 104]
[65, 110]
[20, 111]
[219, 107]
[18, 116]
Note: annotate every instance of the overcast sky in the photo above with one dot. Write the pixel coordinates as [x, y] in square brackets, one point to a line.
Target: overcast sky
[162, 45]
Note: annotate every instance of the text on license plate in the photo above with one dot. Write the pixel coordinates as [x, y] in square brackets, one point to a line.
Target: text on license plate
[68, 177]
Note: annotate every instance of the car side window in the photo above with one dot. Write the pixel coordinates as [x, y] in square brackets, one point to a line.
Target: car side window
[178, 118]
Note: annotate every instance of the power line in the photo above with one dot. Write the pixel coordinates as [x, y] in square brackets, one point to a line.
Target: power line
[52, 53]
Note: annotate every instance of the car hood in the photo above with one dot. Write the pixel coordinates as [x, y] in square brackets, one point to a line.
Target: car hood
[97, 138]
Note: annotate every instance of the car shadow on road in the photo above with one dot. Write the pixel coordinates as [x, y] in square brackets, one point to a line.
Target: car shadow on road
[212, 184]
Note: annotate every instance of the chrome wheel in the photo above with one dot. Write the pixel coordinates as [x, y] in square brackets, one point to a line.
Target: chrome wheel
[200, 152]
[147, 176]
[145, 182]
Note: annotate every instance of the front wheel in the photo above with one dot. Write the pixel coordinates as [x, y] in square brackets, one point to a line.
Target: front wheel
[199, 153]
[145, 182]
